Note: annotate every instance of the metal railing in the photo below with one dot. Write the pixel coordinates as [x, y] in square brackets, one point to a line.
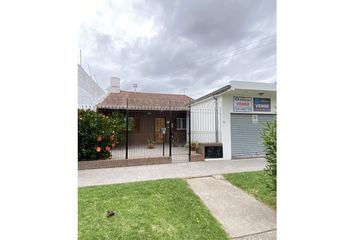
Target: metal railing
[161, 132]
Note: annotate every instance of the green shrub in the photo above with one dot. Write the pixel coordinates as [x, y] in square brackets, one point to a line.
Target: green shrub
[98, 134]
[269, 136]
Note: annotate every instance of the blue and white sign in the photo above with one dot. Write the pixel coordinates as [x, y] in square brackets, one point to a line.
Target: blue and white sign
[242, 104]
[261, 104]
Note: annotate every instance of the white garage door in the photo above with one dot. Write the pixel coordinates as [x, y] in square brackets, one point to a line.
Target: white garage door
[246, 140]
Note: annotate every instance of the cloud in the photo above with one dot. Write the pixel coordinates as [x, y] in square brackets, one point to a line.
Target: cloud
[176, 46]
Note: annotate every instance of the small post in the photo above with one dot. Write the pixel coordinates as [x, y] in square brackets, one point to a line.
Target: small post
[126, 131]
[189, 131]
[163, 144]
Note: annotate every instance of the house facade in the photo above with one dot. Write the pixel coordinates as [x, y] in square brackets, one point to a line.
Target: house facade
[241, 110]
[151, 114]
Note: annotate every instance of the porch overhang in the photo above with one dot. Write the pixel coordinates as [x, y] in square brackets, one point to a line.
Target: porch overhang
[147, 108]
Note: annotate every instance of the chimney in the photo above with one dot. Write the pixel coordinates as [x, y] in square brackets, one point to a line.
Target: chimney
[115, 84]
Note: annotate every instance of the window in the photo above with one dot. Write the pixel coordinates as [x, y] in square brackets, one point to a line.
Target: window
[135, 123]
[181, 124]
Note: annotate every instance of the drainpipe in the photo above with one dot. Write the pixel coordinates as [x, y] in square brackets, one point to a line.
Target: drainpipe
[216, 119]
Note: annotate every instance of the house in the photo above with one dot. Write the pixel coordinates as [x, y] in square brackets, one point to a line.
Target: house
[150, 113]
[88, 90]
[240, 110]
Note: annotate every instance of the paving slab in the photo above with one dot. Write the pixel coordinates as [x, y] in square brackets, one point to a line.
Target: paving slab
[161, 171]
[268, 235]
[242, 216]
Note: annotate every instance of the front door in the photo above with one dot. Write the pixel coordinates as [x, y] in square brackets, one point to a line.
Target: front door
[159, 123]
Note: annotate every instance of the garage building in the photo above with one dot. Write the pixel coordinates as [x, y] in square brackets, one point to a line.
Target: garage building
[234, 116]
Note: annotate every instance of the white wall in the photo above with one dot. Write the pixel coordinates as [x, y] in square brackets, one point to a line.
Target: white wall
[227, 109]
[88, 90]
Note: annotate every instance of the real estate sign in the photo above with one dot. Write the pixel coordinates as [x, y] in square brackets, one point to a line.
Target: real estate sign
[242, 104]
[261, 104]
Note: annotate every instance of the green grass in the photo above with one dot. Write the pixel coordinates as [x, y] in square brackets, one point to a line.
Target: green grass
[162, 209]
[254, 184]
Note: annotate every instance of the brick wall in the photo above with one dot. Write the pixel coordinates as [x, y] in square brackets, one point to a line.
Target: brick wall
[82, 165]
[197, 158]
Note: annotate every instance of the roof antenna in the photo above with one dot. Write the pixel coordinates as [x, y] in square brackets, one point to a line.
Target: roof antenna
[135, 86]
[184, 91]
[80, 58]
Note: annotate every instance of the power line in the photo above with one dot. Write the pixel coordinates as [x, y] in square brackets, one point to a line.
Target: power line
[239, 48]
[221, 56]
[239, 52]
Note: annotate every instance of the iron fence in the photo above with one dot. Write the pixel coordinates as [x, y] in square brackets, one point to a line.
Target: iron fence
[163, 132]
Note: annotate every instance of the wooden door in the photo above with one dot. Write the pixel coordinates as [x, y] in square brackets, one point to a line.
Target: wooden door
[159, 123]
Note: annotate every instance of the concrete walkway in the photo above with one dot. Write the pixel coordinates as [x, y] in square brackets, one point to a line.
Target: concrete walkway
[176, 170]
[242, 216]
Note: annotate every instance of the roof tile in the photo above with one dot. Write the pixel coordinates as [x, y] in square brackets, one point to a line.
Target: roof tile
[142, 100]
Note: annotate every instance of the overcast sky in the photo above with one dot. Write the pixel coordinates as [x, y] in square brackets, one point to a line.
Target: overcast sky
[187, 46]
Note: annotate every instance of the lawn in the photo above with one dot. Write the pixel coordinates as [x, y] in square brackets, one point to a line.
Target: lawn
[254, 184]
[162, 209]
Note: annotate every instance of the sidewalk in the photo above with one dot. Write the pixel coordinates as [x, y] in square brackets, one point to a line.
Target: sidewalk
[242, 216]
[176, 170]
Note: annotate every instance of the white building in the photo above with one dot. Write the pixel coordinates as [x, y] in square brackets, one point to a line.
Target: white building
[88, 90]
[234, 115]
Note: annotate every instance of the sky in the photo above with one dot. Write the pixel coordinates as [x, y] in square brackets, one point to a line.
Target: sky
[187, 47]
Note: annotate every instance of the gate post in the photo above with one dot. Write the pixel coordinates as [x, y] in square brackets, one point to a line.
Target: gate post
[189, 131]
[170, 130]
[126, 131]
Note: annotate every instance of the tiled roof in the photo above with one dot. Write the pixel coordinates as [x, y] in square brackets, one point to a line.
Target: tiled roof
[141, 100]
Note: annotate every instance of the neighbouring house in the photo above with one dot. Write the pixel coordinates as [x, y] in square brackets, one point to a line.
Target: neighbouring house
[240, 111]
[150, 113]
[89, 92]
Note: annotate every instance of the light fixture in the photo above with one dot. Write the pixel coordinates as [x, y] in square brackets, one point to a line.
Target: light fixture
[261, 93]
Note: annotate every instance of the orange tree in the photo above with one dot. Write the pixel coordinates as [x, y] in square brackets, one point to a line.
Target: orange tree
[98, 134]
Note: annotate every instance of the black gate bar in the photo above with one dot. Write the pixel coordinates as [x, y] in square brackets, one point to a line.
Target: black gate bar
[189, 131]
[170, 130]
[126, 131]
